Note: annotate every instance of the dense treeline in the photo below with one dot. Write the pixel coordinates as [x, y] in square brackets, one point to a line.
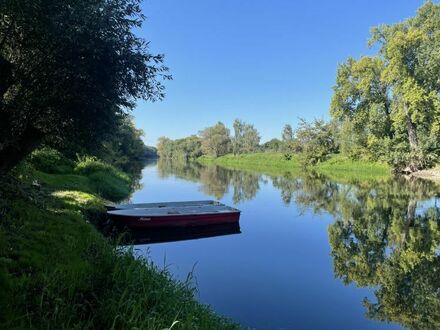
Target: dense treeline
[313, 141]
[212, 141]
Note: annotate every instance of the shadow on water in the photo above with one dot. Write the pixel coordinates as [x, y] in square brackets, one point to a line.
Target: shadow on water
[162, 235]
[385, 234]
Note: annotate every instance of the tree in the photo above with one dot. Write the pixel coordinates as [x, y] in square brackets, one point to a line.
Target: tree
[290, 145]
[181, 149]
[126, 149]
[412, 69]
[317, 141]
[69, 70]
[165, 148]
[215, 140]
[274, 145]
[361, 103]
[287, 134]
[237, 139]
[246, 138]
[389, 104]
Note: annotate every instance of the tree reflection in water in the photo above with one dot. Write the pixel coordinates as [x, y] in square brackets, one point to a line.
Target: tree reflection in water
[386, 234]
[215, 181]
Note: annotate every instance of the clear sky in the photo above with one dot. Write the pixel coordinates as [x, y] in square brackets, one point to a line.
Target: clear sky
[266, 62]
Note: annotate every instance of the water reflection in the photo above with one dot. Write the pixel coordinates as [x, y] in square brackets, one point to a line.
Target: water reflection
[161, 235]
[385, 235]
[215, 181]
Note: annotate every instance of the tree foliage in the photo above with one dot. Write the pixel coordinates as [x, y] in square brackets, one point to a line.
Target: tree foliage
[273, 145]
[182, 149]
[216, 140]
[246, 138]
[317, 141]
[389, 104]
[125, 149]
[69, 70]
[287, 134]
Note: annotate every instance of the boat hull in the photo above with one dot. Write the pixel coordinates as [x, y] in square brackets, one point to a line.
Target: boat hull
[191, 220]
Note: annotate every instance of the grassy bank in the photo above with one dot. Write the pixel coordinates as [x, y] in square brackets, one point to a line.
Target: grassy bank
[336, 167]
[58, 271]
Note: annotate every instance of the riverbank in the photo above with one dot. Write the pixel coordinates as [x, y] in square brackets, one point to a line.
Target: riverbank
[336, 167]
[432, 174]
[58, 271]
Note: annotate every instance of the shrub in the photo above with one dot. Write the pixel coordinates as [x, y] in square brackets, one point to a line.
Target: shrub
[50, 161]
[90, 165]
[317, 140]
[109, 186]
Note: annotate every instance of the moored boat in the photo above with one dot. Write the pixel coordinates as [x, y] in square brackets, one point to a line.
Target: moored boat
[185, 214]
[111, 207]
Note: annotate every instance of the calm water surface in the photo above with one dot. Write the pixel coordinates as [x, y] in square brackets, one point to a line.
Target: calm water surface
[312, 253]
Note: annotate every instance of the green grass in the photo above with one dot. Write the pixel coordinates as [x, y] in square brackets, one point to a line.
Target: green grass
[57, 271]
[336, 167]
[109, 184]
[339, 167]
[270, 163]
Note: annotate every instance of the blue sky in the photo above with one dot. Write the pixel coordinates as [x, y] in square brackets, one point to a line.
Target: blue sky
[266, 62]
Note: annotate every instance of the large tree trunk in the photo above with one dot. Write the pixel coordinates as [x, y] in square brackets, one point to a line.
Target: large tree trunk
[12, 153]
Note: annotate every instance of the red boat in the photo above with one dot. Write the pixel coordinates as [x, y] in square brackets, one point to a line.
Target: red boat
[174, 214]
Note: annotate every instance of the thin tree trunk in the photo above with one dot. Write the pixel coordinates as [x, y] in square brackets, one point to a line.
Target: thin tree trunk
[13, 153]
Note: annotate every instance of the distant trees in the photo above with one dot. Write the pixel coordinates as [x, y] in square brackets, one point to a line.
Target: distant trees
[213, 141]
[183, 149]
[126, 149]
[216, 140]
[388, 104]
[246, 138]
[273, 145]
[68, 72]
[290, 145]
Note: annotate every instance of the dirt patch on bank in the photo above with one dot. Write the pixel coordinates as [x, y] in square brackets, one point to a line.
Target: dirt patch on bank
[430, 174]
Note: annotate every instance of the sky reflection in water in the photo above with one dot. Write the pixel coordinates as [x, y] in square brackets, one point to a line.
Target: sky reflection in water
[313, 253]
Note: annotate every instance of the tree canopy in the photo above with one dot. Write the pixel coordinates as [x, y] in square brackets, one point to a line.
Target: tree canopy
[182, 149]
[388, 104]
[246, 138]
[69, 71]
[216, 140]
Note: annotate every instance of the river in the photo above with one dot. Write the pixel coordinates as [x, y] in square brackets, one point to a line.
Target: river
[311, 253]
